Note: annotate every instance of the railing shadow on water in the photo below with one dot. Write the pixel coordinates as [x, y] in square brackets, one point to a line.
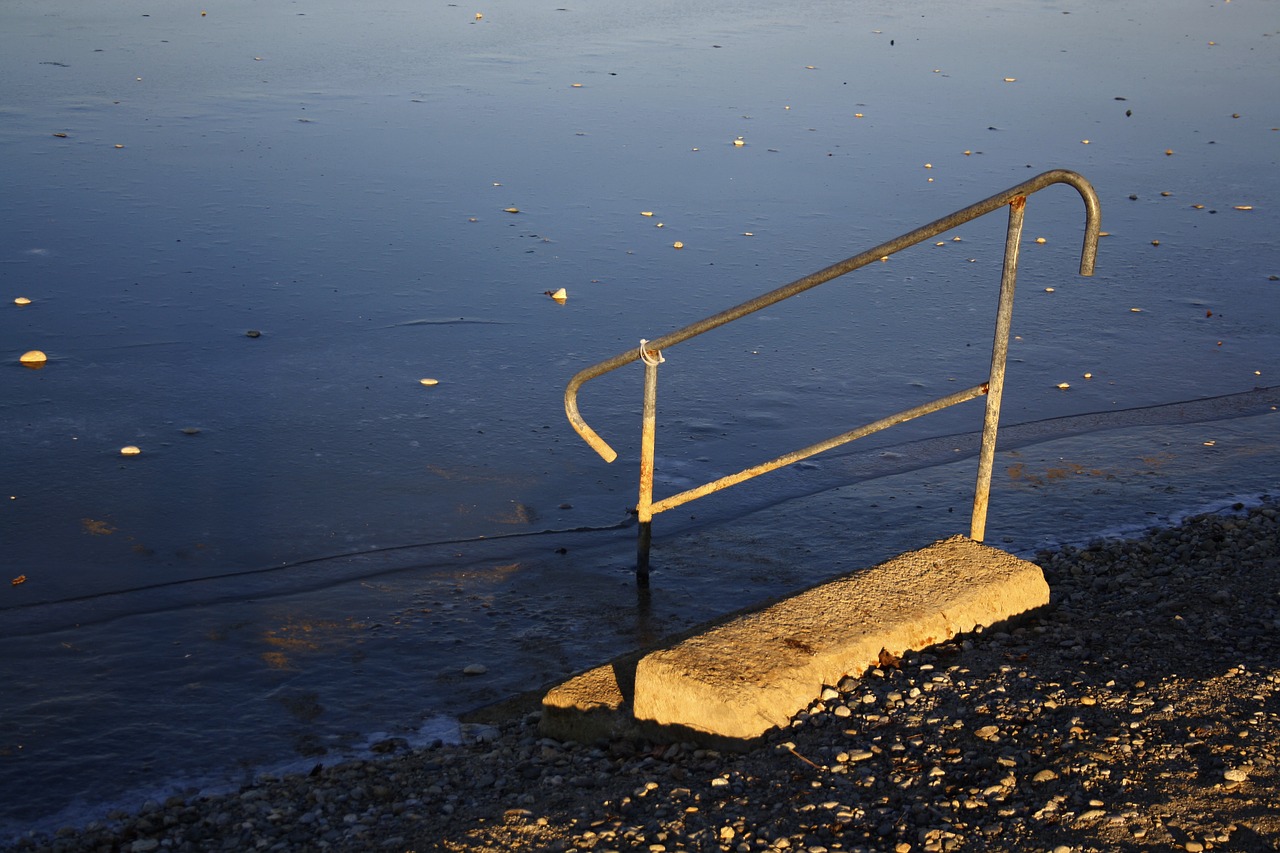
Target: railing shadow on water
[650, 354]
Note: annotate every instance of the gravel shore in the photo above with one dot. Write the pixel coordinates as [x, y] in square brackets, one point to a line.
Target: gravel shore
[1139, 711]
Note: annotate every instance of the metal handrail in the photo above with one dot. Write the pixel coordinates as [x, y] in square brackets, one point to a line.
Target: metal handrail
[649, 353]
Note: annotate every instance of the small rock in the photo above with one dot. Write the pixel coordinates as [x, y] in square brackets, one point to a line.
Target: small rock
[1044, 776]
[475, 669]
[1236, 775]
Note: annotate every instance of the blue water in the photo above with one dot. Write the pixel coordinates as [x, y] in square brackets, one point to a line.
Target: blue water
[292, 563]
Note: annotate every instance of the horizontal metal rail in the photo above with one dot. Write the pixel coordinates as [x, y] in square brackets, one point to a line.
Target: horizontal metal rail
[650, 352]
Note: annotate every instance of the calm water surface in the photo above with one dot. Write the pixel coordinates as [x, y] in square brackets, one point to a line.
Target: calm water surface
[312, 544]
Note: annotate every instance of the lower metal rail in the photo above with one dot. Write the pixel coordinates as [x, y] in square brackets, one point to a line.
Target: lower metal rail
[650, 353]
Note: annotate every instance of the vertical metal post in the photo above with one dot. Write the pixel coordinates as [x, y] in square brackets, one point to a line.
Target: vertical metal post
[999, 355]
[648, 430]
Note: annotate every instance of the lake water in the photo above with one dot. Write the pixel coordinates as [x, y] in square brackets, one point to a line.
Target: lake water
[248, 232]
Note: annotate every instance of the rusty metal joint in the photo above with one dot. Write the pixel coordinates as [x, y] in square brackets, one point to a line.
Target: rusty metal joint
[651, 357]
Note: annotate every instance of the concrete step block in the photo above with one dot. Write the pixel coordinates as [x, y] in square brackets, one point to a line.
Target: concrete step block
[740, 679]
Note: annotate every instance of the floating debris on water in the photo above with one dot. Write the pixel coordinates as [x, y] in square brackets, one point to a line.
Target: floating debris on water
[22, 300]
[429, 381]
[33, 358]
[677, 245]
[130, 450]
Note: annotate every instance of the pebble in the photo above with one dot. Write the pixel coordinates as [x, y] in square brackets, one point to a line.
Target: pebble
[984, 743]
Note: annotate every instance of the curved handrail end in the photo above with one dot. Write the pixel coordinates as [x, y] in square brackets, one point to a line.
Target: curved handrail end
[1093, 218]
[598, 444]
